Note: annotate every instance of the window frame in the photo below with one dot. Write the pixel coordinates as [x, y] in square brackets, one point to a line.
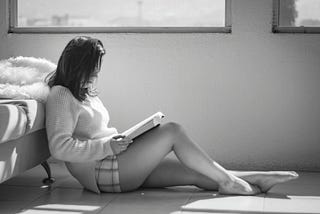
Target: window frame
[281, 29]
[13, 28]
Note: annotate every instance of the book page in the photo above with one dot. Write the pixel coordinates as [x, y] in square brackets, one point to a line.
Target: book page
[144, 125]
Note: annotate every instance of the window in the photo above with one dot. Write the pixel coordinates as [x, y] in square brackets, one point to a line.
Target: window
[296, 16]
[71, 16]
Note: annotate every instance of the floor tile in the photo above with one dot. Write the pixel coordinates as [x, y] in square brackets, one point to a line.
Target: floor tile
[214, 203]
[146, 201]
[69, 182]
[293, 197]
[292, 204]
[21, 193]
[189, 212]
[34, 177]
[27, 194]
[295, 189]
[10, 207]
[62, 200]
[307, 178]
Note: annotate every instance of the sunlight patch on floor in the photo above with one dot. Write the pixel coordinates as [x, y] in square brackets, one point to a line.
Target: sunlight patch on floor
[61, 208]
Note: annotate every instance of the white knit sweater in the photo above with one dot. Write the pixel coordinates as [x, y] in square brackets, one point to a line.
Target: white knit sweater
[77, 131]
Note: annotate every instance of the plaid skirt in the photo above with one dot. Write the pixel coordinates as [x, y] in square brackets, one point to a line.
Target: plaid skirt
[107, 174]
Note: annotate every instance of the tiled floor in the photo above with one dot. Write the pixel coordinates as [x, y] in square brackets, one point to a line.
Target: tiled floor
[26, 194]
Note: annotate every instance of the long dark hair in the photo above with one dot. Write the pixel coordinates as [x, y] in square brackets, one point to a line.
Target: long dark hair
[79, 61]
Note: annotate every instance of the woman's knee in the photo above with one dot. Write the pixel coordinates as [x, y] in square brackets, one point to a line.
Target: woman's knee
[173, 127]
[166, 132]
[172, 131]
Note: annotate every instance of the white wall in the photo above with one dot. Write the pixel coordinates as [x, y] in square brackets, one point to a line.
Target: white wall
[250, 98]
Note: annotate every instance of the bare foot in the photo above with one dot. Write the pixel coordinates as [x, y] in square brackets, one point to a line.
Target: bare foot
[237, 186]
[268, 179]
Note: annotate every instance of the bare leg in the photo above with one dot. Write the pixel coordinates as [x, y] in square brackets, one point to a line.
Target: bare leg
[145, 154]
[170, 172]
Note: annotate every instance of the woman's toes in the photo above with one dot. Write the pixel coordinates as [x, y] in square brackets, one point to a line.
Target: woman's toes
[295, 175]
[268, 181]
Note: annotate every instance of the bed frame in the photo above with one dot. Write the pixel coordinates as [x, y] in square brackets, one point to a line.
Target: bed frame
[24, 153]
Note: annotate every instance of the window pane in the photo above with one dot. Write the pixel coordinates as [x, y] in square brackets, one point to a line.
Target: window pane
[121, 13]
[300, 13]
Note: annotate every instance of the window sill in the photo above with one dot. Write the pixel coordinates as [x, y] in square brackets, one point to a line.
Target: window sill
[303, 30]
[66, 30]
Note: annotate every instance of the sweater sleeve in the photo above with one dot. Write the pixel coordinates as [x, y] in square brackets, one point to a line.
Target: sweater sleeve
[62, 112]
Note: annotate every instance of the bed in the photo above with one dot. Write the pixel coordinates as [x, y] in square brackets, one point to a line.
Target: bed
[23, 139]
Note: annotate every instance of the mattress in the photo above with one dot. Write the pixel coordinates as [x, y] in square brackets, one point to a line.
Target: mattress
[19, 118]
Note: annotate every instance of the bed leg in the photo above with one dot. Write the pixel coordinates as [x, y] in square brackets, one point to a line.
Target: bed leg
[49, 180]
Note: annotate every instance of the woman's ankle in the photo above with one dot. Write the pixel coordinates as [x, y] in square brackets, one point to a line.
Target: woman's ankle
[226, 179]
[223, 177]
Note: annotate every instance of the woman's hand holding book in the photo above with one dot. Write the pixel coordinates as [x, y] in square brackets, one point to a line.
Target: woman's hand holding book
[119, 143]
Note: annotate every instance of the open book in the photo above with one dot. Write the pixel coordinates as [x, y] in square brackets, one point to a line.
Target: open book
[144, 126]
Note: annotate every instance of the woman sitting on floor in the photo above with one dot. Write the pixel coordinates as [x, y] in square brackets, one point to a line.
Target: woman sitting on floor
[104, 161]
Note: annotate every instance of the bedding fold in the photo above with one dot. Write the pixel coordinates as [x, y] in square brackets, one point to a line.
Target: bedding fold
[20, 117]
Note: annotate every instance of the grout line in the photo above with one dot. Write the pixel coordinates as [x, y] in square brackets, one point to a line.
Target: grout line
[55, 185]
[62, 187]
[19, 185]
[37, 198]
[264, 202]
[19, 208]
[115, 197]
[26, 186]
[187, 201]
